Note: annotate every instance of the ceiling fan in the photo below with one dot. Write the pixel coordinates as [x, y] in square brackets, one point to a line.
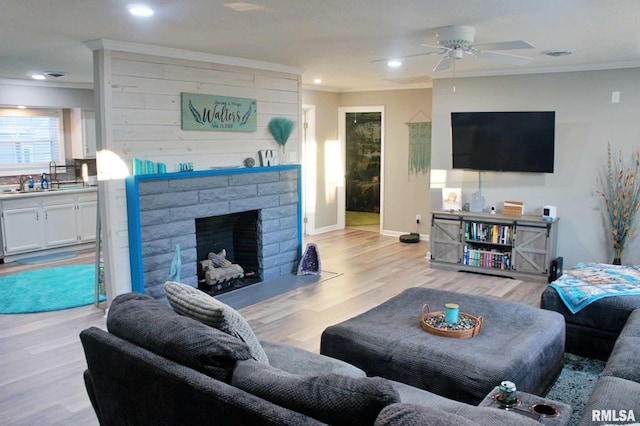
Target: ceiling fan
[455, 41]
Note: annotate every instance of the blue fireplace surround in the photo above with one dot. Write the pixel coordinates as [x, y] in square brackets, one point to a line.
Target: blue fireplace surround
[162, 210]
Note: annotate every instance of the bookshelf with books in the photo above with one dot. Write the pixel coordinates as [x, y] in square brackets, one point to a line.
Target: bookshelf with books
[520, 247]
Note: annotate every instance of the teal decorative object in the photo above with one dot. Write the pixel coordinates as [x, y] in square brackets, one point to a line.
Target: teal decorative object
[176, 265]
[419, 147]
[281, 129]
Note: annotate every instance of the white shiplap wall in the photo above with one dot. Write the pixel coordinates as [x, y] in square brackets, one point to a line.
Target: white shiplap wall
[139, 96]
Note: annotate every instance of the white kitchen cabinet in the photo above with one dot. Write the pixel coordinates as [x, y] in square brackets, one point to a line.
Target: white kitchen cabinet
[59, 226]
[86, 216]
[83, 133]
[48, 221]
[22, 229]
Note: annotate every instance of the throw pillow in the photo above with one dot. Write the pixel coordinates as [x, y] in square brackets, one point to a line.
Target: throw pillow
[149, 323]
[332, 398]
[411, 414]
[191, 302]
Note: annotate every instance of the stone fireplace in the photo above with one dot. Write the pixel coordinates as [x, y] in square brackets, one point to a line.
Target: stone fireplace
[252, 213]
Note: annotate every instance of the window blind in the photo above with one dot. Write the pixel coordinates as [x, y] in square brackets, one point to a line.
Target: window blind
[30, 140]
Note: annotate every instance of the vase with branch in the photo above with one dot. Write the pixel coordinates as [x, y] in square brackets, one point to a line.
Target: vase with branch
[619, 187]
[281, 129]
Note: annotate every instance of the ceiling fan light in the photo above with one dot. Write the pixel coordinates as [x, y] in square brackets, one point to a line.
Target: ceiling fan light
[456, 53]
[394, 63]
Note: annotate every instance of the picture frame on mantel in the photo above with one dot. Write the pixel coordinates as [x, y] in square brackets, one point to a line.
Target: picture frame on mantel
[218, 113]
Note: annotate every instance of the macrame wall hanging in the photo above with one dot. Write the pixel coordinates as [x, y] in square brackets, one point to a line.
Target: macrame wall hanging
[419, 143]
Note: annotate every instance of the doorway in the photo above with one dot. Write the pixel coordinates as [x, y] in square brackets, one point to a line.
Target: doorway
[309, 167]
[362, 136]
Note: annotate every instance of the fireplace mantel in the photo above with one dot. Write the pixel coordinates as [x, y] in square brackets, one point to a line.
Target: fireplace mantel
[162, 208]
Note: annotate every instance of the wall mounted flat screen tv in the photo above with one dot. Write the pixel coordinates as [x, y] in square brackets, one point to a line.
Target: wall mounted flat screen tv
[503, 141]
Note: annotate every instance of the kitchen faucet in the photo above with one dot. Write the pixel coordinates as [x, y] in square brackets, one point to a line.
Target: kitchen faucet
[23, 180]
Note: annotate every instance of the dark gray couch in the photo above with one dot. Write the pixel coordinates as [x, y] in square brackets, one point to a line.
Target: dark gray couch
[593, 330]
[156, 367]
[617, 390]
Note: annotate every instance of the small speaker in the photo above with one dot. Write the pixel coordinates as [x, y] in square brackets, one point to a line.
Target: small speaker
[549, 211]
[556, 269]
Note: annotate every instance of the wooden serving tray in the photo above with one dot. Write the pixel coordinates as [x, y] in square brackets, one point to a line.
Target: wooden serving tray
[457, 334]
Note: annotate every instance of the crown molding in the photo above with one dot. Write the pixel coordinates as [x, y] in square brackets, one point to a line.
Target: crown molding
[542, 70]
[57, 84]
[366, 89]
[170, 52]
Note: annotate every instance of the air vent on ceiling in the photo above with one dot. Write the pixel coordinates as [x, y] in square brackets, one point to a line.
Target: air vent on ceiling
[557, 53]
[55, 74]
[423, 79]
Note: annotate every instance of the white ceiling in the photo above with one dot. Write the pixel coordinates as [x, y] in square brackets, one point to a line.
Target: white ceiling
[335, 40]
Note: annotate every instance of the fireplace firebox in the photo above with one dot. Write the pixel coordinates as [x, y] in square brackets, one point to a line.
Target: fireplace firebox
[236, 235]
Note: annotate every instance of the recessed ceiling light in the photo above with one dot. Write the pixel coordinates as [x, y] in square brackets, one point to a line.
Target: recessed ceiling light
[38, 76]
[140, 10]
[394, 63]
[317, 81]
[21, 107]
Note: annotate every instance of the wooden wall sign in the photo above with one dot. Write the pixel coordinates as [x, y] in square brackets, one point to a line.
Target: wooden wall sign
[222, 113]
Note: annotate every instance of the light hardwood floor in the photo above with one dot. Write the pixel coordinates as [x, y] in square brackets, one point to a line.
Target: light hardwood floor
[41, 359]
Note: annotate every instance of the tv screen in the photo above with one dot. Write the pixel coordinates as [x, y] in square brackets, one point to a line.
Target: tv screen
[503, 141]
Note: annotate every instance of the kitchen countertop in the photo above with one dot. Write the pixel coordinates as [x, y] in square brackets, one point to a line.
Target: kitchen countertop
[42, 193]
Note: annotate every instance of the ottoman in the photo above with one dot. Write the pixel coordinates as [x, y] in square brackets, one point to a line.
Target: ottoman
[593, 330]
[517, 342]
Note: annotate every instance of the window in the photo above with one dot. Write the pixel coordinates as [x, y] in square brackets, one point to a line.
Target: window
[29, 140]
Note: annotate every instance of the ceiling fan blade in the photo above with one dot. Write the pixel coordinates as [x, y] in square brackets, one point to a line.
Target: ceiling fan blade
[404, 57]
[503, 57]
[504, 45]
[440, 49]
[444, 64]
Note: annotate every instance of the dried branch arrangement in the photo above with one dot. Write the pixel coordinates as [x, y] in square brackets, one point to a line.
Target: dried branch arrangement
[619, 187]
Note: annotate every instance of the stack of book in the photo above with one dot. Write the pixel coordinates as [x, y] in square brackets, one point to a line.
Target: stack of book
[490, 233]
[494, 259]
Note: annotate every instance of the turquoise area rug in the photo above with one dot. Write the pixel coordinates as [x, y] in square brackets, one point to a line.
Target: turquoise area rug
[55, 257]
[48, 289]
[588, 282]
[576, 382]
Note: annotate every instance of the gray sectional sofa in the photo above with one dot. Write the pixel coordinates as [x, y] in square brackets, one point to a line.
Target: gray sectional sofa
[607, 329]
[592, 331]
[154, 366]
[617, 391]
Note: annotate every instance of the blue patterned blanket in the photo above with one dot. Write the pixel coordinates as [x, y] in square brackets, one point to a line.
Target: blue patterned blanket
[588, 282]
